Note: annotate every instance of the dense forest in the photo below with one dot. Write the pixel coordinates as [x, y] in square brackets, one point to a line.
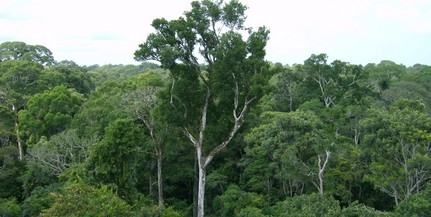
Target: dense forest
[207, 126]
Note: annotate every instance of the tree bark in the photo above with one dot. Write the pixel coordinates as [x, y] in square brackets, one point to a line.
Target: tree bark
[322, 171]
[201, 184]
[198, 141]
[160, 178]
[150, 186]
[18, 138]
[147, 98]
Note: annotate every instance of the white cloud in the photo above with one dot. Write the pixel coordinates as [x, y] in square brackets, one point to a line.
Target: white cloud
[102, 32]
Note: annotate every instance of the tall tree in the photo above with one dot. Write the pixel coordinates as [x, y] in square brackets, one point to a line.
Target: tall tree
[17, 50]
[286, 150]
[18, 81]
[397, 143]
[141, 103]
[114, 159]
[384, 74]
[320, 73]
[286, 91]
[210, 99]
[49, 113]
[336, 83]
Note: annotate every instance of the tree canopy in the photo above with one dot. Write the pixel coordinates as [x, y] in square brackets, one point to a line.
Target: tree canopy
[17, 50]
[206, 125]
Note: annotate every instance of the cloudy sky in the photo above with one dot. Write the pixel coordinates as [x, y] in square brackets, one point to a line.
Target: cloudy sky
[101, 32]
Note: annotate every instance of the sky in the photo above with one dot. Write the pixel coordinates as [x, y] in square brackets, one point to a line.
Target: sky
[108, 32]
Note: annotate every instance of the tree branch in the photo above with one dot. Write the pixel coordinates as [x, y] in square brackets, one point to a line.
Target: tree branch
[237, 125]
[191, 137]
[204, 117]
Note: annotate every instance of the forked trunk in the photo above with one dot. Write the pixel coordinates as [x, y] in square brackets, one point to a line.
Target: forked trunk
[322, 169]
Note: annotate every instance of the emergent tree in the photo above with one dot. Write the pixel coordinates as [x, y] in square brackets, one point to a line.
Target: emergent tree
[215, 75]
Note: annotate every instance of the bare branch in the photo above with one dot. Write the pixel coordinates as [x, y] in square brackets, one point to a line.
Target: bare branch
[204, 116]
[191, 137]
[237, 125]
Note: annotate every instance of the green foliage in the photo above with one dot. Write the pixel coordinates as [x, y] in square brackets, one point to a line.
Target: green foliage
[306, 205]
[100, 109]
[49, 113]
[416, 205]
[406, 90]
[286, 88]
[114, 159]
[35, 175]
[79, 199]
[18, 81]
[282, 151]
[230, 62]
[9, 208]
[10, 170]
[150, 78]
[62, 151]
[102, 74]
[374, 120]
[382, 75]
[251, 212]
[39, 199]
[236, 202]
[334, 84]
[7, 122]
[396, 143]
[359, 210]
[16, 50]
[74, 76]
[157, 211]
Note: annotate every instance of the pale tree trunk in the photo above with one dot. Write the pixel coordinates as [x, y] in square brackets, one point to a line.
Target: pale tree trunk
[321, 173]
[201, 184]
[143, 101]
[18, 138]
[160, 178]
[198, 142]
[328, 100]
[357, 134]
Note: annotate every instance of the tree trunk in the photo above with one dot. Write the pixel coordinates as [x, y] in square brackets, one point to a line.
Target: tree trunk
[356, 130]
[18, 139]
[150, 186]
[322, 171]
[159, 178]
[198, 142]
[290, 97]
[201, 184]
[195, 187]
[201, 193]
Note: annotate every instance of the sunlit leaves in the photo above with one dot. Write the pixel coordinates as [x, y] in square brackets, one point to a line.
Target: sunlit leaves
[50, 112]
[17, 50]
[80, 199]
[396, 141]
